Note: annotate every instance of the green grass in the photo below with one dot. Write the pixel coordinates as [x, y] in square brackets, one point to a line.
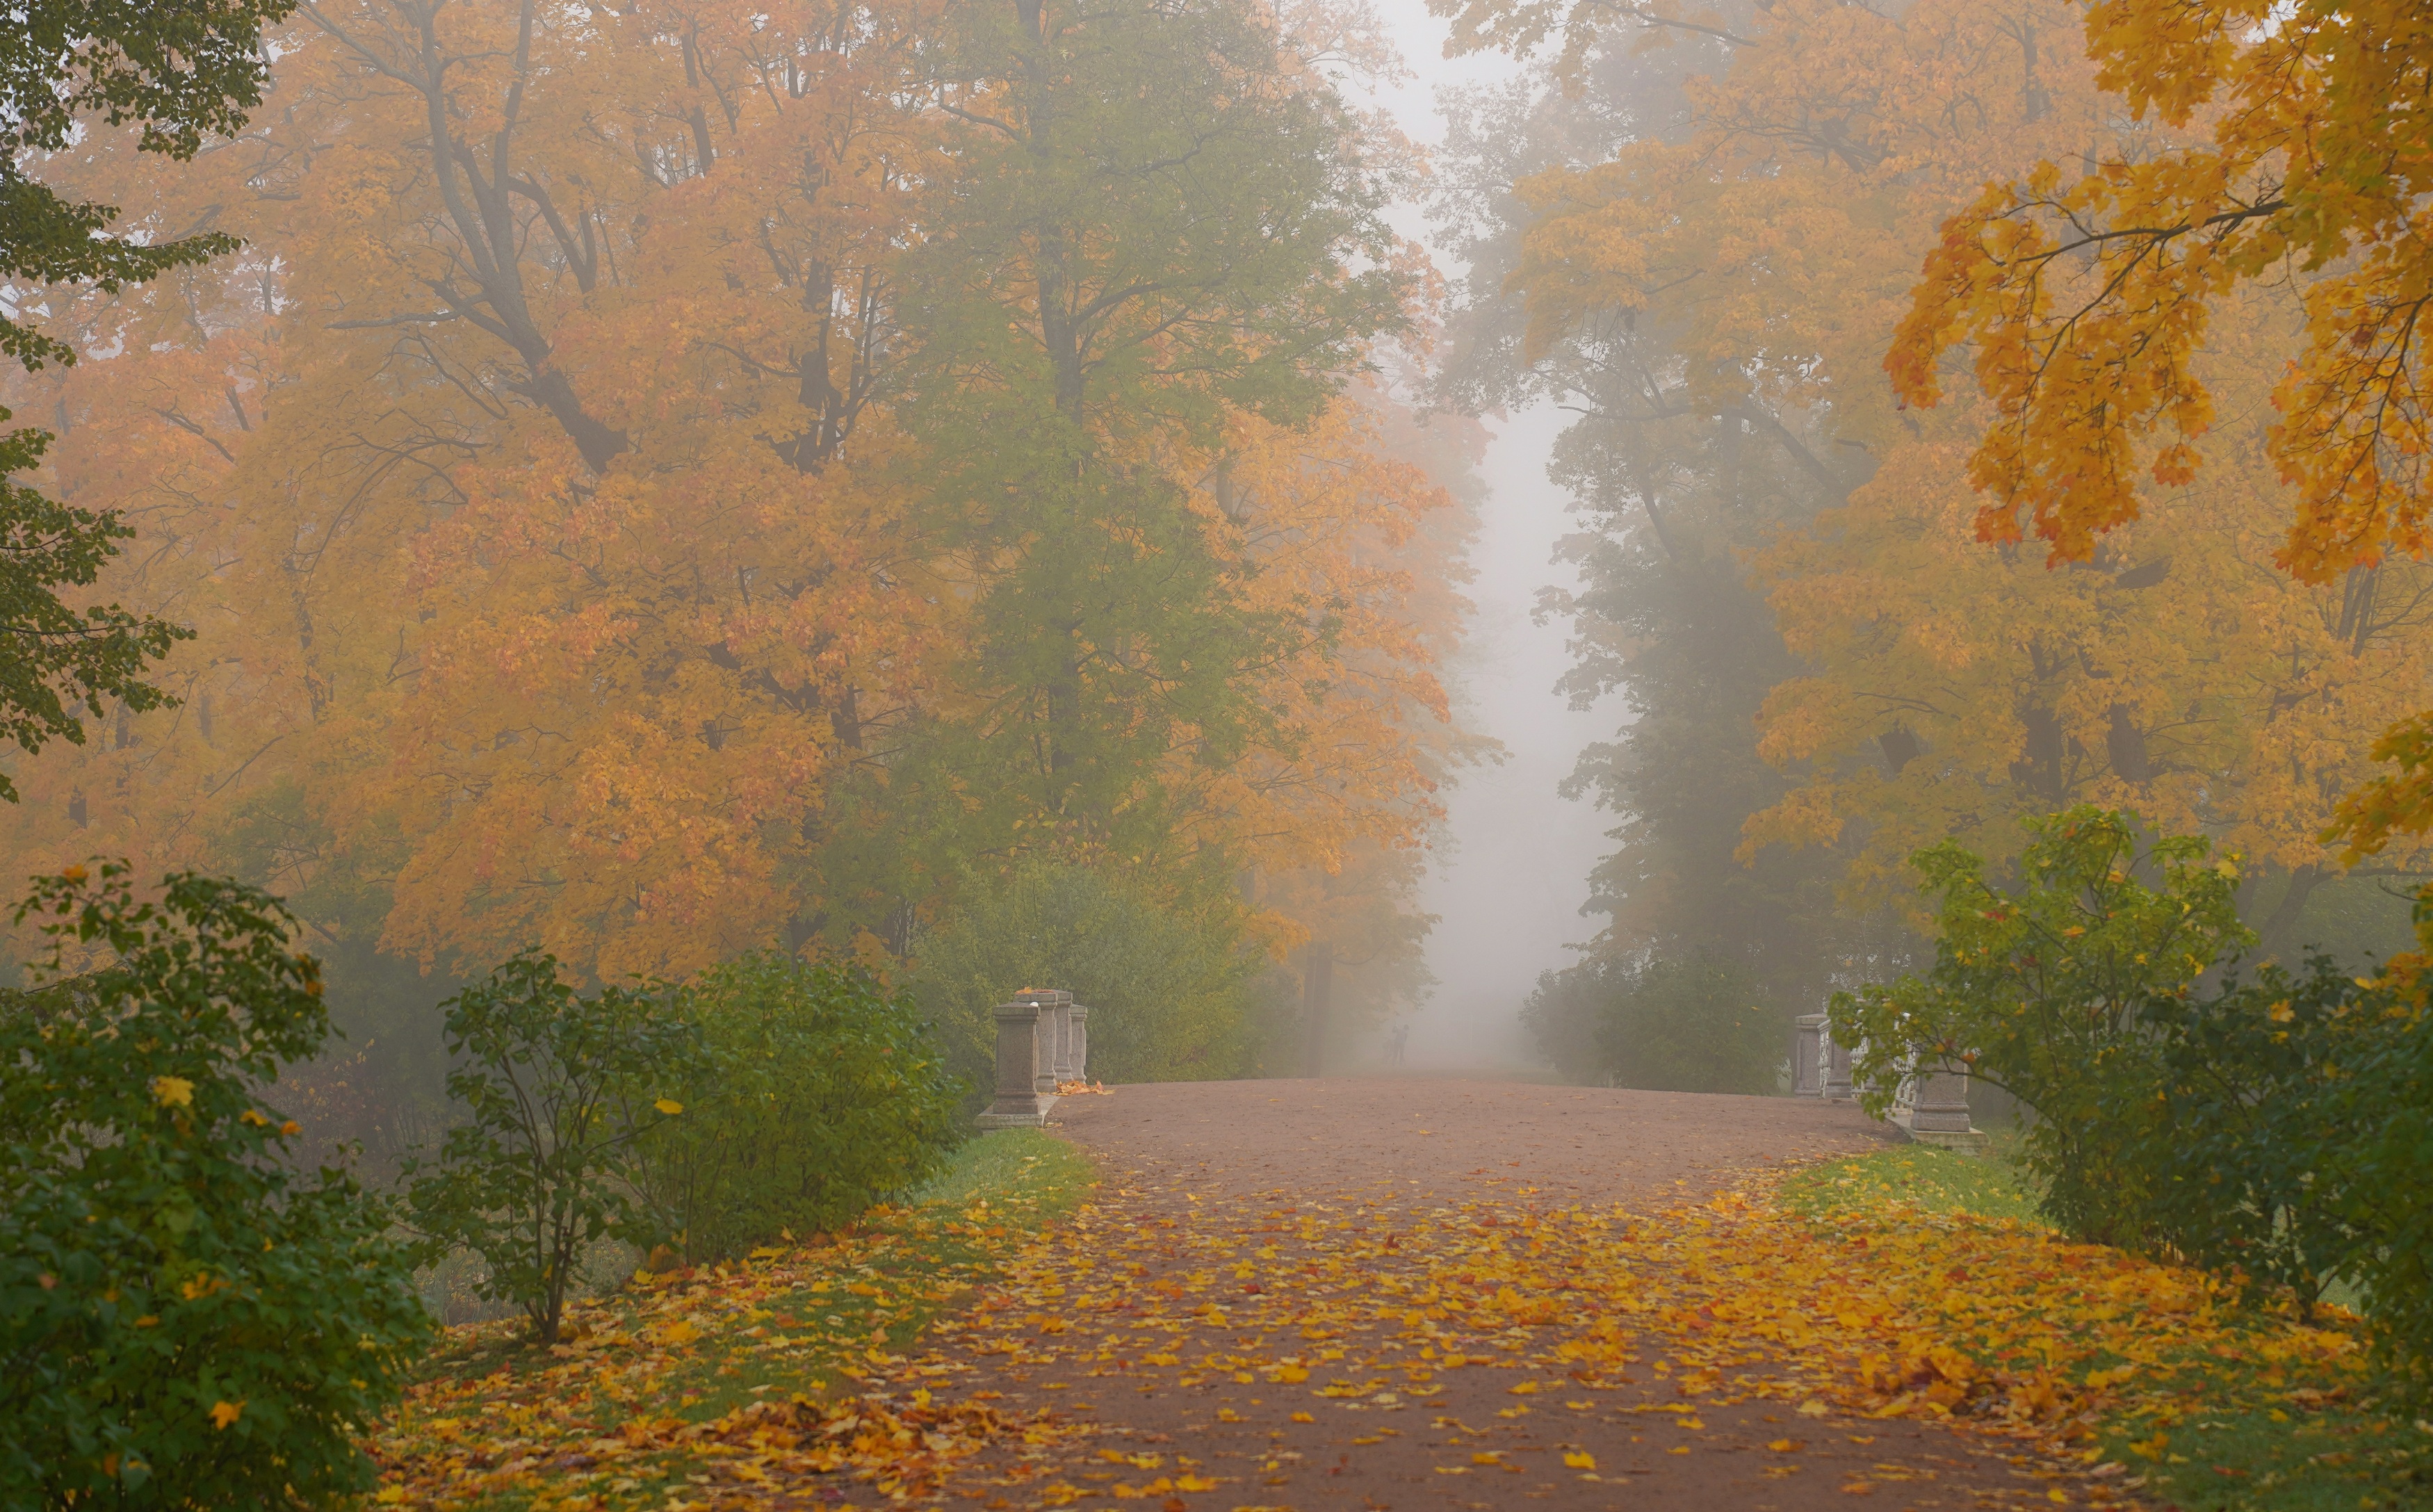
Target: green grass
[1048, 1176]
[2250, 1445]
[2212, 1436]
[1917, 1176]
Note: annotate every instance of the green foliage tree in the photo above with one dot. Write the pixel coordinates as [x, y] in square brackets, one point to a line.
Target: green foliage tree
[2375, 1152]
[1163, 218]
[559, 1089]
[185, 1320]
[820, 1091]
[180, 69]
[1171, 990]
[2042, 990]
[1698, 1023]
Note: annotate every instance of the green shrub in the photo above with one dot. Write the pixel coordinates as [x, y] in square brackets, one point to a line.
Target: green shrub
[2041, 990]
[2279, 1129]
[186, 1321]
[1171, 991]
[559, 1089]
[2238, 1102]
[1663, 1024]
[819, 1093]
[2378, 1159]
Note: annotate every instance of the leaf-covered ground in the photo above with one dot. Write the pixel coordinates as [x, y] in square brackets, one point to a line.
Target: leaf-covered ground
[1784, 1342]
[2264, 1427]
[785, 1368]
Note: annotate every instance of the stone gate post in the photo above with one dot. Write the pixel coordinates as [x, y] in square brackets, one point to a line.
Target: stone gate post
[1808, 1056]
[1938, 1110]
[1018, 1102]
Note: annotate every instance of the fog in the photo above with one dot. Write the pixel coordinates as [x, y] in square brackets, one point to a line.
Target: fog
[1511, 866]
[887, 501]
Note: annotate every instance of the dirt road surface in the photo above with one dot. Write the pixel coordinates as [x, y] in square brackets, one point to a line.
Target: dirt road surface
[1264, 1157]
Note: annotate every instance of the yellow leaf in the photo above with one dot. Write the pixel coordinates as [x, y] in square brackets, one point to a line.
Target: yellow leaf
[1579, 1459]
[1782, 1446]
[1194, 1483]
[668, 1106]
[224, 1413]
[1524, 1389]
[173, 1092]
[1291, 1373]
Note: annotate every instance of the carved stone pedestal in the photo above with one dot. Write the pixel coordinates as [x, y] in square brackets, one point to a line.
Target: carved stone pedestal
[1934, 1110]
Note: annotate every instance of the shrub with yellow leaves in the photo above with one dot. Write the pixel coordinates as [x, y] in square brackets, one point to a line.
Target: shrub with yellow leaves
[190, 1320]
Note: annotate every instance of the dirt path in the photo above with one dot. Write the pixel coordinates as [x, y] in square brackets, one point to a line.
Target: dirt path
[1225, 1312]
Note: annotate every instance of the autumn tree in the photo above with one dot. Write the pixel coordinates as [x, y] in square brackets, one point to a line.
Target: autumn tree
[625, 494]
[2273, 148]
[1940, 689]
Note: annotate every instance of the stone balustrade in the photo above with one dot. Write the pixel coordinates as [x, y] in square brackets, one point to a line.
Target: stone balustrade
[1042, 1041]
[1931, 1104]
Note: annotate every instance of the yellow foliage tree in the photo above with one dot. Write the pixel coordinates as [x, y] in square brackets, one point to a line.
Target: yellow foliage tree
[2273, 146]
[1770, 252]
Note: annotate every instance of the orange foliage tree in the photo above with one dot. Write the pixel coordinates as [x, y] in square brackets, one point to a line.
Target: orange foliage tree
[1948, 689]
[616, 487]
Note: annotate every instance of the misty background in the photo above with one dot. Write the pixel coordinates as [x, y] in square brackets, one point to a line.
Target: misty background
[1506, 881]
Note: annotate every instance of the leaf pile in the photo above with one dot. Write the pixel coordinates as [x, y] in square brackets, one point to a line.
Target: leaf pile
[777, 1371]
[1999, 1325]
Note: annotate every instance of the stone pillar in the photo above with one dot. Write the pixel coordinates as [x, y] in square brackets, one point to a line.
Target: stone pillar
[1837, 1073]
[1808, 1056]
[1054, 1008]
[1077, 1042]
[1938, 1111]
[1018, 1104]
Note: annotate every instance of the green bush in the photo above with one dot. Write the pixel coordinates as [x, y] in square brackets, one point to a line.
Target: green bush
[2378, 1159]
[186, 1321]
[559, 1089]
[819, 1093]
[2279, 1129]
[2237, 1101]
[1171, 991]
[1662, 1024]
[2042, 991]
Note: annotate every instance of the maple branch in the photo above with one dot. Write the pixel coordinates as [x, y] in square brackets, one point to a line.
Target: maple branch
[2154, 235]
[961, 114]
[433, 318]
[1646, 17]
[1809, 461]
[182, 423]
